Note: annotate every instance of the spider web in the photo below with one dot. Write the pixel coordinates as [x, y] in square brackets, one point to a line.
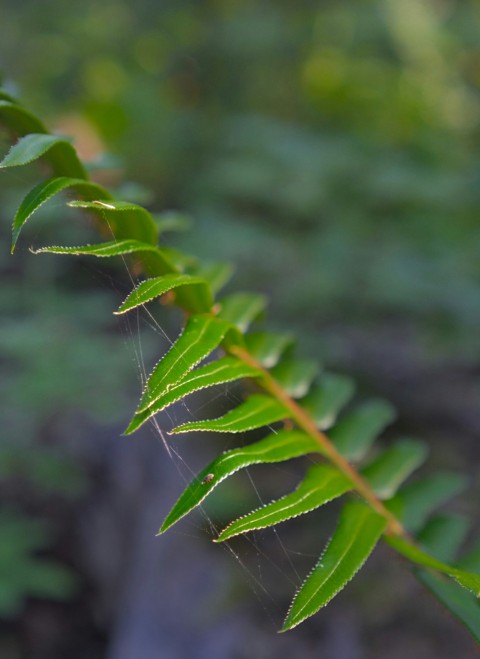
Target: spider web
[252, 558]
[135, 324]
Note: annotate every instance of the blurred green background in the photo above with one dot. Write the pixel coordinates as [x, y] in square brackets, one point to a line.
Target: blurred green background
[328, 149]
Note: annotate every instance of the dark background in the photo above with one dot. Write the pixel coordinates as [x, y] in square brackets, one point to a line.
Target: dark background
[330, 151]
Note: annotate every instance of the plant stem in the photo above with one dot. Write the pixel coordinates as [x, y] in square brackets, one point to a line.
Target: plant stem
[306, 423]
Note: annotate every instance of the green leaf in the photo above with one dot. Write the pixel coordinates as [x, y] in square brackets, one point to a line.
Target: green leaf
[217, 274]
[325, 400]
[388, 471]
[257, 411]
[321, 484]
[277, 447]
[355, 537]
[456, 599]
[416, 555]
[121, 219]
[266, 347]
[355, 433]
[221, 371]
[5, 96]
[241, 309]
[151, 257]
[295, 375]
[152, 288]
[414, 503]
[48, 189]
[443, 535]
[58, 151]
[17, 119]
[201, 335]
[102, 250]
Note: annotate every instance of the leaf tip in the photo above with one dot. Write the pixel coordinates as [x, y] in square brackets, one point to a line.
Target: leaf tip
[130, 429]
[14, 241]
[225, 534]
[287, 626]
[121, 309]
[164, 527]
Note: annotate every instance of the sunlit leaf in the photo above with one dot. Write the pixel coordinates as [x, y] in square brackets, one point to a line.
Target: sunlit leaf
[152, 257]
[388, 471]
[108, 249]
[48, 189]
[277, 447]
[201, 335]
[122, 220]
[321, 484]
[152, 288]
[221, 371]
[354, 539]
[58, 151]
[257, 411]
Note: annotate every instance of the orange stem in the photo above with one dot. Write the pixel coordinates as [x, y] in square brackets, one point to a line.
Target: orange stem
[306, 423]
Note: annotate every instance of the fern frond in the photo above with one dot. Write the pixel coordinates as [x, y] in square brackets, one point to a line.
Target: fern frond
[276, 447]
[321, 484]
[287, 388]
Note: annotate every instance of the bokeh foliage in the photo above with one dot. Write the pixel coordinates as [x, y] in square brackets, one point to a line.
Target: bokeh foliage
[344, 135]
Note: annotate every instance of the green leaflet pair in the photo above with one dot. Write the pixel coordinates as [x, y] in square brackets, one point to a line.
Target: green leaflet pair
[208, 353]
